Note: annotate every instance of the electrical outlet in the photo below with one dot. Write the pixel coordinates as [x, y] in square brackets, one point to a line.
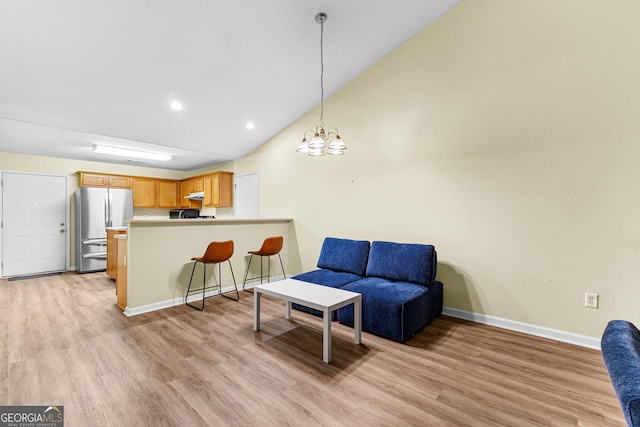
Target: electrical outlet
[591, 300]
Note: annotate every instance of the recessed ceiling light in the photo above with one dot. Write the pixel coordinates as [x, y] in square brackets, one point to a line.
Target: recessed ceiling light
[175, 105]
[249, 125]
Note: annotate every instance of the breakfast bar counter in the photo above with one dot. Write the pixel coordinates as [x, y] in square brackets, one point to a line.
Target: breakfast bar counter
[159, 255]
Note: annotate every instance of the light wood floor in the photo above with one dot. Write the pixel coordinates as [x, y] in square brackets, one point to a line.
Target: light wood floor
[64, 342]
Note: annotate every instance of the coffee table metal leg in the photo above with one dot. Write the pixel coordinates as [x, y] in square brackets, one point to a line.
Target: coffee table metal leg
[326, 337]
[287, 310]
[256, 310]
[357, 321]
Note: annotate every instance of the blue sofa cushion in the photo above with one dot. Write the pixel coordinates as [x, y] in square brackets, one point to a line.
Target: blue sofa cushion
[402, 262]
[333, 279]
[620, 346]
[349, 256]
[394, 310]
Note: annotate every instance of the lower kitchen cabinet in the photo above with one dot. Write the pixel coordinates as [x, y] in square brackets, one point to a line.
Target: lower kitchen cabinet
[121, 275]
[112, 252]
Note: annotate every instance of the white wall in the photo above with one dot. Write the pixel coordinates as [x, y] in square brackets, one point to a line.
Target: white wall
[506, 134]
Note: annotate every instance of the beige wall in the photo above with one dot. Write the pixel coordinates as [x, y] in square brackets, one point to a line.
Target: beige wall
[39, 164]
[508, 135]
[159, 266]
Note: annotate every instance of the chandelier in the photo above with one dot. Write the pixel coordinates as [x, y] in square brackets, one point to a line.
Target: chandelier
[323, 142]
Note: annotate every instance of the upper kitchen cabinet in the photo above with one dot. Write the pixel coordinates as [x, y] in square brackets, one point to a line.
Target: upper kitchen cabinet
[144, 193]
[218, 190]
[90, 179]
[184, 191]
[189, 186]
[196, 184]
[155, 193]
[167, 193]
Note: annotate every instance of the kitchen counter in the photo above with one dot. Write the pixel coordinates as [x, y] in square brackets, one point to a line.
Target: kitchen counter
[159, 256]
[210, 221]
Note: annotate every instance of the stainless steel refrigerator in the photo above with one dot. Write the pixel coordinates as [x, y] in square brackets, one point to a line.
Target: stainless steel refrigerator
[95, 210]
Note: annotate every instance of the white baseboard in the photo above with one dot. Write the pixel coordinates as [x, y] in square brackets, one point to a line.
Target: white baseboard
[512, 325]
[179, 301]
[173, 302]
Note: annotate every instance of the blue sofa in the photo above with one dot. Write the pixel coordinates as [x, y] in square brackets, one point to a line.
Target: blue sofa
[620, 346]
[397, 281]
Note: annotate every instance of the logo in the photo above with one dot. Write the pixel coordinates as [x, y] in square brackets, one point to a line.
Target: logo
[31, 416]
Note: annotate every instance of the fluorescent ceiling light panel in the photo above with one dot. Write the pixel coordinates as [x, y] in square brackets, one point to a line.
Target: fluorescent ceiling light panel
[125, 152]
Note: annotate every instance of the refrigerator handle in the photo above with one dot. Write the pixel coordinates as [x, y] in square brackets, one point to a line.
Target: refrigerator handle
[106, 210]
[110, 209]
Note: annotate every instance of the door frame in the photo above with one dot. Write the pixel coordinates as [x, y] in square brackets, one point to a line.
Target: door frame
[67, 207]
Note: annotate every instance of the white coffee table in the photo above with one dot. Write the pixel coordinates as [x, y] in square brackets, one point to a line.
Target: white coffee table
[323, 298]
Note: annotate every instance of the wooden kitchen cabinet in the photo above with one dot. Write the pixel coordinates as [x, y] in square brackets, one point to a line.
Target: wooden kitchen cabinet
[144, 193]
[218, 190]
[155, 193]
[197, 184]
[112, 252]
[187, 187]
[166, 194]
[90, 179]
[121, 274]
[185, 190]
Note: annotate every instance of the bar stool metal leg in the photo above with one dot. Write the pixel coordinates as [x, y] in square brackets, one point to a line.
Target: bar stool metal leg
[282, 265]
[237, 298]
[246, 274]
[186, 301]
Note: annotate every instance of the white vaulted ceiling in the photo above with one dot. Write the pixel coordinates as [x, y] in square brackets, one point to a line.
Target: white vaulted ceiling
[76, 73]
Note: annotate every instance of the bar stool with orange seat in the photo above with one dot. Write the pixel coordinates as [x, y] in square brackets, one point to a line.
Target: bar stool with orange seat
[271, 246]
[216, 253]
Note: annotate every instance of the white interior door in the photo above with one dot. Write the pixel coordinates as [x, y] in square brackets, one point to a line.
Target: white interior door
[34, 211]
[246, 191]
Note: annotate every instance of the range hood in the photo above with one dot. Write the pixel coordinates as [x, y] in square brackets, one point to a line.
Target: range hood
[198, 195]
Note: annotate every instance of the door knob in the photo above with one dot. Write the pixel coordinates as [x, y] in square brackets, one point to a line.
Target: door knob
[62, 224]
[62, 230]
